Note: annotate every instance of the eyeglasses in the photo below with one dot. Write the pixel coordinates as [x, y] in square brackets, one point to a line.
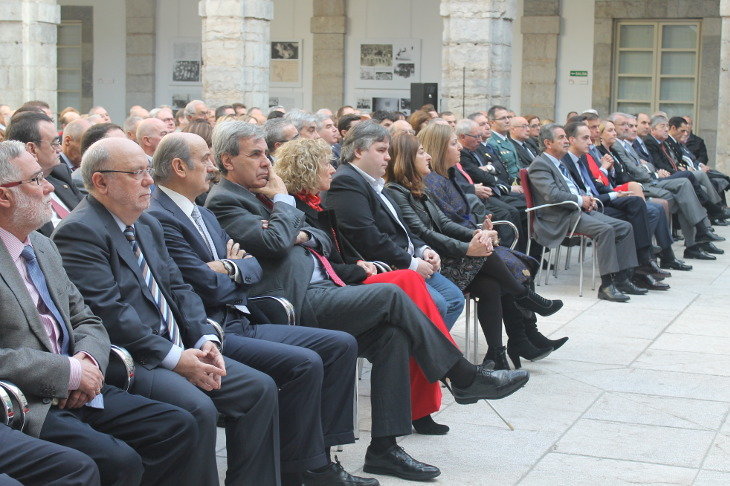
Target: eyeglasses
[472, 136]
[55, 143]
[503, 118]
[38, 179]
[534, 125]
[136, 174]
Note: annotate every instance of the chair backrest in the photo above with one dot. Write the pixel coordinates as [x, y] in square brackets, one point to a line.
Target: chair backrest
[529, 200]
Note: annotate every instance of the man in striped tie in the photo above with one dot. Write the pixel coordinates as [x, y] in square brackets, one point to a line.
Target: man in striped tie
[117, 258]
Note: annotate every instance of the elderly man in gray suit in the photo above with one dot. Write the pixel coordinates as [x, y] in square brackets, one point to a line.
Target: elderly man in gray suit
[677, 191]
[613, 239]
[56, 351]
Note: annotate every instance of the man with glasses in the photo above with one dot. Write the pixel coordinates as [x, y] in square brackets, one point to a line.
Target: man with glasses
[519, 132]
[117, 258]
[164, 113]
[38, 132]
[499, 121]
[278, 131]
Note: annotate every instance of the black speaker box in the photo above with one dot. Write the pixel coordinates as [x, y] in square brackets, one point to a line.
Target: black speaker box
[424, 94]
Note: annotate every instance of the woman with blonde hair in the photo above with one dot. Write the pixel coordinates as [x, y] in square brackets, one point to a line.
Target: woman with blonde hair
[304, 166]
[501, 281]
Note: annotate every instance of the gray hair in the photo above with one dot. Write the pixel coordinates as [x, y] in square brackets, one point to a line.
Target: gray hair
[227, 135]
[274, 131]
[172, 146]
[616, 114]
[658, 120]
[9, 150]
[361, 137]
[93, 161]
[465, 126]
[130, 124]
[190, 107]
[547, 132]
[299, 118]
[320, 118]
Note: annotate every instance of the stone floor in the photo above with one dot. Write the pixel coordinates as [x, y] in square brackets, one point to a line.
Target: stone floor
[639, 394]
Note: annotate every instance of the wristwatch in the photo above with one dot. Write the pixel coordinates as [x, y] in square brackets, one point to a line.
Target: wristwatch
[230, 268]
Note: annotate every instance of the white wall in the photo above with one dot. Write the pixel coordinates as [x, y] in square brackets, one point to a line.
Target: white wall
[176, 19]
[575, 52]
[110, 34]
[392, 19]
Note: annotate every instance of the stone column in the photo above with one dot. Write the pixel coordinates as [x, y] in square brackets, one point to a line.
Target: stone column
[540, 29]
[28, 51]
[140, 53]
[476, 54]
[722, 157]
[328, 27]
[236, 51]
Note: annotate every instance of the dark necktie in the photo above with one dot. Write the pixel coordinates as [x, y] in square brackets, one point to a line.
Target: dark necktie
[265, 201]
[586, 176]
[39, 282]
[203, 230]
[668, 155]
[168, 323]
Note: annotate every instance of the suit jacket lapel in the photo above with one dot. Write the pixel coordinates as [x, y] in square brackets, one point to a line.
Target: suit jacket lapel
[16, 285]
[168, 204]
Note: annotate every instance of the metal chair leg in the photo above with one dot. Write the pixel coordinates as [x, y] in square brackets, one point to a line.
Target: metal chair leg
[580, 263]
[547, 270]
[556, 264]
[567, 257]
[539, 267]
[467, 330]
[475, 329]
[593, 258]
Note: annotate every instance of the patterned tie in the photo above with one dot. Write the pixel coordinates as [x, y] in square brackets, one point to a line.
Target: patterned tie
[167, 324]
[327, 268]
[203, 230]
[668, 155]
[39, 281]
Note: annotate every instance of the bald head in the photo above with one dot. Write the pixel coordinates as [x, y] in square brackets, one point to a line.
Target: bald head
[519, 129]
[139, 111]
[149, 133]
[71, 143]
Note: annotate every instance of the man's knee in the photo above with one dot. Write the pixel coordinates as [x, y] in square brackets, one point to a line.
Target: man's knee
[122, 465]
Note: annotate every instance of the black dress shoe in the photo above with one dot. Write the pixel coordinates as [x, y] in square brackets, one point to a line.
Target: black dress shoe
[718, 222]
[675, 264]
[649, 282]
[538, 304]
[612, 294]
[651, 268]
[335, 475]
[627, 287]
[490, 385]
[712, 249]
[397, 462]
[708, 238]
[698, 253]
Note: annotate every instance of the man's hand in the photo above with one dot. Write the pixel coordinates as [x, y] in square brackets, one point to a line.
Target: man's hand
[302, 237]
[587, 203]
[482, 191]
[369, 267]
[76, 399]
[704, 168]
[218, 267]
[624, 193]
[662, 173]
[433, 258]
[215, 358]
[517, 189]
[424, 268]
[91, 377]
[234, 251]
[273, 187]
[196, 370]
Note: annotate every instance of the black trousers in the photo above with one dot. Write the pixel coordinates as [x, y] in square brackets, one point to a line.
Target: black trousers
[248, 400]
[314, 370]
[132, 440]
[28, 461]
[389, 329]
[503, 210]
[632, 209]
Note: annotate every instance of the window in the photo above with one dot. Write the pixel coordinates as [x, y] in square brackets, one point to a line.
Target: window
[69, 64]
[656, 67]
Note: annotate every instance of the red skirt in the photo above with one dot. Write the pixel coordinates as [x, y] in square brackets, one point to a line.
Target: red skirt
[425, 396]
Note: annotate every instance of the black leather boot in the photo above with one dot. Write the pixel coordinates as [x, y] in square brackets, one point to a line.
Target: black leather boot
[498, 354]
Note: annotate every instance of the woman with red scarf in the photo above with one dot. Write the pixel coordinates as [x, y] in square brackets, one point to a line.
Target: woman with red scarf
[304, 166]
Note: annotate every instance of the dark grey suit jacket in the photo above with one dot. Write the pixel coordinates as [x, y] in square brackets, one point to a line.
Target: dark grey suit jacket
[287, 267]
[100, 261]
[25, 350]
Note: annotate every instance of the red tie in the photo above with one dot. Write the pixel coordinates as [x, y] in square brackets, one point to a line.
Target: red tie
[59, 209]
[265, 200]
[327, 268]
[463, 172]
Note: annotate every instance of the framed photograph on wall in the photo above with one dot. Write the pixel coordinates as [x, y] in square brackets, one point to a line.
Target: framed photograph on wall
[187, 61]
[388, 63]
[285, 69]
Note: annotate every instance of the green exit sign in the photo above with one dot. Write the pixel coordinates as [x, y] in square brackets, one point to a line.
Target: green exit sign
[579, 74]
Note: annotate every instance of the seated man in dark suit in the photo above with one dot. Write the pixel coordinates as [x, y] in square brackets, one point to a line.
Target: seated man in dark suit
[117, 257]
[313, 368]
[388, 326]
[56, 351]
[613, 239]
[34, 461]
[38, 132]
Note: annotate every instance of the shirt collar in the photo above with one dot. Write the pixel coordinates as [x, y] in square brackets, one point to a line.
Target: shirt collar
[182, 202]
[573, 157]
[13, 244]
[500, 136]
[376, 184]
[552, 159]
